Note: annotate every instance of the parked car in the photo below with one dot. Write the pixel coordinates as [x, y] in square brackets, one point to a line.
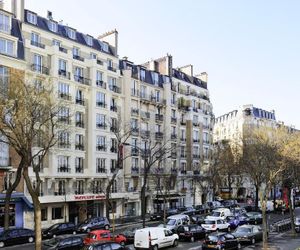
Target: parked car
[214, 225]
[157, 216]
[154, 238]
[174, 221]
[248, 234]
[233, 221]
[201, 209]
[238, 210]
[249, 208]
[297, 201]
[254, 218]
[59, 229]
[221, 213]
[71, 243]
[244, 219]
[221, 241]
[189, 211]
[16, 236]
[105, 246]
[103, 235]
[214, 205]
[93, 223]
[230, 203]
[172, 211]
[198, 219]
[191, 232]
[129, 235]
[297, 224]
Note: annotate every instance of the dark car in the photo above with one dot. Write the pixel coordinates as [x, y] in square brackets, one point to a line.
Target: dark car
[249, 208]
[106, 246]
[59, 229]
[244, 219]
[93, 223]
[201, 209]
[72, 242]
[221, 241]
[157, 216]
[248, 234]
[16, 236]
[230, 203]
[198, 219]
[233, 221]
[238, 211]
[189, 211]
[172, 211]
[129, 235]
[254, 218]
[297, 224]
[191, 232]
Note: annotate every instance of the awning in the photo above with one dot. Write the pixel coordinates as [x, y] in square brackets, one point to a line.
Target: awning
[169, 197]
[15, 197]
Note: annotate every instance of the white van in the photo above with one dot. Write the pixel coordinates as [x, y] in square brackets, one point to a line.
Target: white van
[154, 238]
[174, 221]
[220, 213]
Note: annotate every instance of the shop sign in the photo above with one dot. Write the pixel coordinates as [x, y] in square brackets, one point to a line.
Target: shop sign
[89, 197]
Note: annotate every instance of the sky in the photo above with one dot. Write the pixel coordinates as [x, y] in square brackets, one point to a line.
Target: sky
[250, 49]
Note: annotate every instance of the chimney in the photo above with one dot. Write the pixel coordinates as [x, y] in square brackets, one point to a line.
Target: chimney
[16, 7]
[111, 38]
[188, 69]
[49, 15]
[203, 76]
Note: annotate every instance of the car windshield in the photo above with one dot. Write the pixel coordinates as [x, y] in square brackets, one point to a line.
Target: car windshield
[52, 242]
[171, 222]
[54, 226]
[213, 238]
[229, 218]
[243, 230]
[216, 214]
[91, 236]
[210, 222]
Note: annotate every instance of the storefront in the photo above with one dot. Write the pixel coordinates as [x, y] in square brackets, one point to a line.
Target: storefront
[18, 205]
[171, 201]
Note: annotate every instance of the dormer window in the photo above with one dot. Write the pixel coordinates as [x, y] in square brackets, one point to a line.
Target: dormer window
[31, 18]
[143, 75]
[105, 47]
[52, 26]
[71, 33]
[89, 40]
[155, 77]
[4, 23]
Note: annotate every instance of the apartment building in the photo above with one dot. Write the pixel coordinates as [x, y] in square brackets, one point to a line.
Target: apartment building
[233, 126]
[94, 88]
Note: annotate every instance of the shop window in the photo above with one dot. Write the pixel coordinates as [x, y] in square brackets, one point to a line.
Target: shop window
[57, 213]
[44, 214]
[11, 215]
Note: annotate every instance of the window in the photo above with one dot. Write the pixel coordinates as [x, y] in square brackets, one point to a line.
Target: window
[4, 80]
[76, 51]
[79, 187]
[105, 47]
[31, 17]
[79, 142]
[79, 164]
[99, 76]
[63, 163]
[62, 65]
[157, 95]
[143, 91]
[56, 43]
[57, 213]
[100, 143]
[79, 95]
[4, 23]
[52, 26]
[6, 47]
[37, 61]
[63, 139]
[4, 153]
[89, 40]
[143, 75]
[155, 78]
[44, 214]
[100, 121]
[100, 167]
[63, 88]
[35, 38]
[100, 99]
[173, 113]
[93, 56]
[173, 99]
[71, 33]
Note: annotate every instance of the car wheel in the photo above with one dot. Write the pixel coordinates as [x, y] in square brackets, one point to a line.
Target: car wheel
[2, 244]
[253, 241]
[155, 247]
[30, 239]
[54, 235]
[239, 246]
[106, 227]
[74, 232]
[192, 239]
[175, 243]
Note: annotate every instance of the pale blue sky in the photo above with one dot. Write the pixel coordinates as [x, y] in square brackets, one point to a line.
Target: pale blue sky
[250, 49]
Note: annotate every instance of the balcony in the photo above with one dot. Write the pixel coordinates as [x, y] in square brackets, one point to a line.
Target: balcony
[113, 149]
[135, 131]
[79, 101]
[37, 44]
[40, 69]
[145, 115]
[182, 155]
[113, 129]
[183, 171]
[65, 96]
[79, 169]
[78, 57]
[183, 123]
[173, 136]
[196, 156]
[196, 140]
[159, 117]
[101, 170]
[59, 192]
[111, 68]
[101, 125]
[206, 141]
[115, 88]
[63, 144]
[134, 152]
[82, 79]
[145, 133]
[101, 84]
[63, 119]
[196, 124]
[159, 135]
[64, 169]
[135, 111]
[173, 155]
[135, 92]
[195, 110]
[79, 124]
[62, 49]
[183, 139]
[114, 108]
[113, 169]
[174, 171]
[79, 146]
[134, 171]
[101, 148]
[79, 191]
[64, 74]
[99, 62]
[206, 126]
[173, 119]
[101, 104]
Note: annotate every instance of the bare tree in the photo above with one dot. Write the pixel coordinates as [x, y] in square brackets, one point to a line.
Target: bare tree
[28, 114]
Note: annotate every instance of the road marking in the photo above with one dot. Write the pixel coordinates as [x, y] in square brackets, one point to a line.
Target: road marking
[195, 248]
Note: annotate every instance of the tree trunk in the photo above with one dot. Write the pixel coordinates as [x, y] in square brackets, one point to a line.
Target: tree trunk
[107, 204]
[265, 225]
[143, 204]
[8, 195]
[256, 197]
[274, 196]
[292, 214]
[37, 211]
